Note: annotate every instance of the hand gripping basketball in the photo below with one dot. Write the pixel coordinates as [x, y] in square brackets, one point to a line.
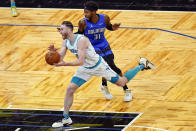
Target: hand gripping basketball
[52, 56]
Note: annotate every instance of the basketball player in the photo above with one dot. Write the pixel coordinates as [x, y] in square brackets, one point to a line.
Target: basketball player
[90, 64]
[93, 26]
[13, 8]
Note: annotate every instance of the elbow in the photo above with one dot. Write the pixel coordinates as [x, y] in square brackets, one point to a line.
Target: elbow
[81, 63]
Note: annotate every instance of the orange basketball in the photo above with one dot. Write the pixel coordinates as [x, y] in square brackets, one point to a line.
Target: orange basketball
[52, 57]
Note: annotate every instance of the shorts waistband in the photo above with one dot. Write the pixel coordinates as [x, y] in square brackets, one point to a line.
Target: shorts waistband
[99, 61]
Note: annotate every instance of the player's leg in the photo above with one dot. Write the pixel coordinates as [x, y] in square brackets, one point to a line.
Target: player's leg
[68, 101]
[110, 61]
[13, 8]
[144, 64]
[78, 80]
[104, 89]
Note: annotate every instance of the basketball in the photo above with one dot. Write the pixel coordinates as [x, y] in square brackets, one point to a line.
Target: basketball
[52, 57]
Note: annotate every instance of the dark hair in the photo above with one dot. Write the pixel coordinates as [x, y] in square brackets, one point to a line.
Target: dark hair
[68, 24]
[91, 5]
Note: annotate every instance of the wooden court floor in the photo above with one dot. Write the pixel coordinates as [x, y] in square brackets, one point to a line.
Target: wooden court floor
[166, 97]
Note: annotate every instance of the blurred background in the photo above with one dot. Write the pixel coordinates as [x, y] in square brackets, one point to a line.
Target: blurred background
[163, 5]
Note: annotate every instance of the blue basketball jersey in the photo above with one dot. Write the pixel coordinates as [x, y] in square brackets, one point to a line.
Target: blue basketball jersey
[95, 33]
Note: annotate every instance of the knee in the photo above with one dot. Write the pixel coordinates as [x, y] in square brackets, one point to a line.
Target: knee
[121, 81]
[121, 84]
[71, 89]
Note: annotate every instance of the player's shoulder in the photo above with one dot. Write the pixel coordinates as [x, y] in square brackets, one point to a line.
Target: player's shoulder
[82, 37]
[65, 42]
[82, 21]
[82, 40]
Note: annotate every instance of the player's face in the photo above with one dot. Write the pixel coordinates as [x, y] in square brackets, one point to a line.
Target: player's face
[88, 14]
[63, 30]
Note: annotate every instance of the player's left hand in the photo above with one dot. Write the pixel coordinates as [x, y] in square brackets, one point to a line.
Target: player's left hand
[60, 64]
[115, 26]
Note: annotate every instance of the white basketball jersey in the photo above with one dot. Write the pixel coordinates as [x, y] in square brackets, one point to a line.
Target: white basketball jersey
[91, 56]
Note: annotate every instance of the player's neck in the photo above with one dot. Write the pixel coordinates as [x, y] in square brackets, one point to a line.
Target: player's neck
[95, 18]
[71, 37]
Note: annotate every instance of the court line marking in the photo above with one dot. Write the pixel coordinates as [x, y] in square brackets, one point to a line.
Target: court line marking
[146, 28]
[81, 9]
[142, 127]
[132, 122]
[17, 129]
[9, 106]
[80, 128]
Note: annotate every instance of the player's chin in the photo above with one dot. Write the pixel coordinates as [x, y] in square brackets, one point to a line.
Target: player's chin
[64, 37]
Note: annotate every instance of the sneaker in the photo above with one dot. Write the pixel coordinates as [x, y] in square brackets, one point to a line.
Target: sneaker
[128, 95]
[62, 122]
[147, 64]
[105, 92]
[14, 11]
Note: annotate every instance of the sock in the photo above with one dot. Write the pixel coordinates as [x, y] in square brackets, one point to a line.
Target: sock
[104, 82]
[66, 116]
[12, 4]
[125, 87]
[131, 73]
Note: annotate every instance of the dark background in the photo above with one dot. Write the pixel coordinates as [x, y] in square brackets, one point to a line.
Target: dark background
[164, 5]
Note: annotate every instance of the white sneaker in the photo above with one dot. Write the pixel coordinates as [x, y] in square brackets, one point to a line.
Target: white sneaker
[128, 95]
[14, 11]
[147, 64]
[105, 92]
[62, 122]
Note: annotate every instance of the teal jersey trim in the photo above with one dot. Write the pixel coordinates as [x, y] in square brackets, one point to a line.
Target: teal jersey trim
[72, 44]
[99, 61]
[114, 79]
[78, 81]
[66, 43]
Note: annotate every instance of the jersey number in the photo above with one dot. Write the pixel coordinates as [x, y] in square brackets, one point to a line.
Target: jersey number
[97, 36]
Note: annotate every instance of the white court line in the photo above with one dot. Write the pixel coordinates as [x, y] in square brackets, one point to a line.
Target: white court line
[17, 129]
[131, 122]
[105, 10]
[76, 128]
[9, 106]
[142, 127]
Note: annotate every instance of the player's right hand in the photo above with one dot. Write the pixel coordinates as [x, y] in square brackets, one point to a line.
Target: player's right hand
[115, 26]
[52, 48]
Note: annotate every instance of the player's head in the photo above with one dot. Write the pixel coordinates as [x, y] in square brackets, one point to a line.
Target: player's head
[65, 29]
[90, 8]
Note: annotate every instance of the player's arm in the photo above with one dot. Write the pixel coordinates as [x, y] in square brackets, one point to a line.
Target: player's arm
[63, 50]
[81, 27]
[82, 45]
[110, 26]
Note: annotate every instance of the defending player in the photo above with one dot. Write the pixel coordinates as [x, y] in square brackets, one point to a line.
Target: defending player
[93, 26]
